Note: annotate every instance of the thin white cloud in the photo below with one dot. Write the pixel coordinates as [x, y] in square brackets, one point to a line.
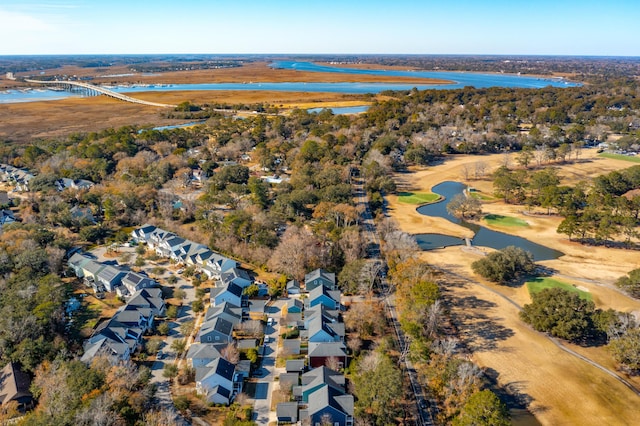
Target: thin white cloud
[16, 23]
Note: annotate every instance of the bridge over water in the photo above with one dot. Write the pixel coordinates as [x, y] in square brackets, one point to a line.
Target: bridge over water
[93, 90]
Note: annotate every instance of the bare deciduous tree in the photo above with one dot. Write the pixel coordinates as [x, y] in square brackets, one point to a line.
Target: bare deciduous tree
[354, 344]
[333, 363]
[99, 413]
[296, 252]
[432, 319]
[446, 347]
[351, 244]
[164, 417]
[480, 169]
[369, 362]
[231, 353]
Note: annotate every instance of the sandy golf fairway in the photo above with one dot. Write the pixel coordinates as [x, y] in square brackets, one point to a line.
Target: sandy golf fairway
[561, 388]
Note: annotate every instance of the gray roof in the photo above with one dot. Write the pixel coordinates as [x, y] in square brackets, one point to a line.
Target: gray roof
[317, 324]
[325, 349]
[93, 267]
[232, 274]
[295, 365]
[292, 346]
[295, 303]
[110, 273]
[293, 284]
[287, 411]
[326, 276]
[289, 380]
[148, 297]
[329, 396]
[322, 290]
[78, 259]
[128, 316]
[323, 375]
[205, 350]
[223, 368]
[218, 324]
[227, 310]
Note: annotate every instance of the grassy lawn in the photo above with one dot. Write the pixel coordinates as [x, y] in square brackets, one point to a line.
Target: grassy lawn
[538, 284]
[499, 220]
[631, 158]
[481, 196]
[417, 197]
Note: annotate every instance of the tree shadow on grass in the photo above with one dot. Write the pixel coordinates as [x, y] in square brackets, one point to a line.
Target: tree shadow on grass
[512, 393]
[476, 330]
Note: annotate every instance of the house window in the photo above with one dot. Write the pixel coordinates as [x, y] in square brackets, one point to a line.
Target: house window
[209, 338]
[217, 337]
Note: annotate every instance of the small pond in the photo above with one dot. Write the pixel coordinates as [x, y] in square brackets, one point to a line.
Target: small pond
[483, 236]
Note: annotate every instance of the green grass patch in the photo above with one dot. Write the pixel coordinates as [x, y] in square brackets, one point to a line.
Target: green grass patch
[417, 197]
[481, 196]
[499, 220]
[630, 158]
[538, 284]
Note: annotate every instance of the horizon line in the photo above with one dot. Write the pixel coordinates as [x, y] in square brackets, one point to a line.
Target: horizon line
[333, 54]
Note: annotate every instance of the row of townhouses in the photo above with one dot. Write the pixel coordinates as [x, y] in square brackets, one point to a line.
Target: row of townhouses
[16, 176]
[109, 277]
[20, 177]
[183, 251]
[319, 395]
[217, 379]
[121, 335]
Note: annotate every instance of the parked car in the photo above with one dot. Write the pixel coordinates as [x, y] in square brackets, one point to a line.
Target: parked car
[270, 321]
[160, 355]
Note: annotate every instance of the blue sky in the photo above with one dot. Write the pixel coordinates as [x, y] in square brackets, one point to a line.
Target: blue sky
[560, 27]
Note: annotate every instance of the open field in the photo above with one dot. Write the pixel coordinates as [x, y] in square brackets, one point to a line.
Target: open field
[28, 121]
[560, 388]
[255, 72]
[630, 158]
[24, 122]
[538, 284]
[499, 220]
[417, 197]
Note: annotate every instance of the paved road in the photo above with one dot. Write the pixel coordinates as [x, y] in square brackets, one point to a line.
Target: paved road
[163, 395]
[267, 373]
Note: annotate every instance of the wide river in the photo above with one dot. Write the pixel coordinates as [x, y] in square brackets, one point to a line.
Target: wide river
[483, 236]
[460, 79]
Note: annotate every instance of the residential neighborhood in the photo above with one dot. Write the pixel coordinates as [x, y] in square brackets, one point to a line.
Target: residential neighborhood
[307, 352]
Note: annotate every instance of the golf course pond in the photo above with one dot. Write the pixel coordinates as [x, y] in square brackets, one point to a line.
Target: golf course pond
[482, 236]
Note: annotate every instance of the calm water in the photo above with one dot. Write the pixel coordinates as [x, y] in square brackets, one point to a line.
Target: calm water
[483, 236]
[342, 110]
[461, 80]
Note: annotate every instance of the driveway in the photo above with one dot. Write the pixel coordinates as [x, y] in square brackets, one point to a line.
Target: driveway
[185, 313]
[262, 414]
